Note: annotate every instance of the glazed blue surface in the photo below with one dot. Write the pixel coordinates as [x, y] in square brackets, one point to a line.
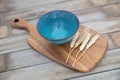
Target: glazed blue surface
[58, 26]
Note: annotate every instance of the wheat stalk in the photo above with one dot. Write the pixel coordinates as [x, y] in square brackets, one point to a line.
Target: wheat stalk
[76, 42]
[79, 41]
[72, 45]
[82, 47]
[91, 42]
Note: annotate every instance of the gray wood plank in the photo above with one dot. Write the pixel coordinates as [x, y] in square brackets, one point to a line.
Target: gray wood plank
[3, 31]
[53, 71]
[105, 25]
[21, 59]
[12, 5]
[2, 7]
[110, 75]
[116, 38]
[13, 44]
[85, 15]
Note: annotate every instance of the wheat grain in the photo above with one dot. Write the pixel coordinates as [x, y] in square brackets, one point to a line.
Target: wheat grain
[91, 42]
[81, 38]
[82, 47]
[84, 43]
[72, 45]
[74, 39]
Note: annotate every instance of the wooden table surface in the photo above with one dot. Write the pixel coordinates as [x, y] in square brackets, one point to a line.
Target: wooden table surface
[18, 61]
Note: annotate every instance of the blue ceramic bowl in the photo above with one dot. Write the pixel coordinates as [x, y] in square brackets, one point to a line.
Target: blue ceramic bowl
[58, 26]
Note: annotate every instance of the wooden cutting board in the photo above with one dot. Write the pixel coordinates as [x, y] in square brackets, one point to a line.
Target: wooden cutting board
[58, 53]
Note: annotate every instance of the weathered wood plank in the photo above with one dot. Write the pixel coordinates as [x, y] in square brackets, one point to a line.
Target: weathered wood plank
[13, 44]
[2, 7]
[3, 31]
[105, 25]
[116, 38]
[110, 75]
[110, 26]
[85, 15]
[103, 2]
[12, 5]
[1, 19]
[53, 71]
[21, 59]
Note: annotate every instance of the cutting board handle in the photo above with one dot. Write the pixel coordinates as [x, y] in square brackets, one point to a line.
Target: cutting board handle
[21, 23]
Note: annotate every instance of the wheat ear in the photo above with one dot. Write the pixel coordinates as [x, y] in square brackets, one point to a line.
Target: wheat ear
[82, 47]
[79, 41]
[92, 41]
[72, 45]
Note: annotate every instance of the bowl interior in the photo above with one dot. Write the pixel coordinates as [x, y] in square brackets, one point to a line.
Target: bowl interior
[58, 25]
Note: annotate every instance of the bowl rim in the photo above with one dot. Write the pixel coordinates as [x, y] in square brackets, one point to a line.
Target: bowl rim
[78, 22]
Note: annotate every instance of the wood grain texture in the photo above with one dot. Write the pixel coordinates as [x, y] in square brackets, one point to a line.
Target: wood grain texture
[7, 45]
[54, 71]
[2, 7]
[90, 14]
[58, 53]
[109, 75]
[12, 5]
[21, 59]
[105, 25]
[19, 56]
[83, 15]
[3, 31]
[116, 38]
